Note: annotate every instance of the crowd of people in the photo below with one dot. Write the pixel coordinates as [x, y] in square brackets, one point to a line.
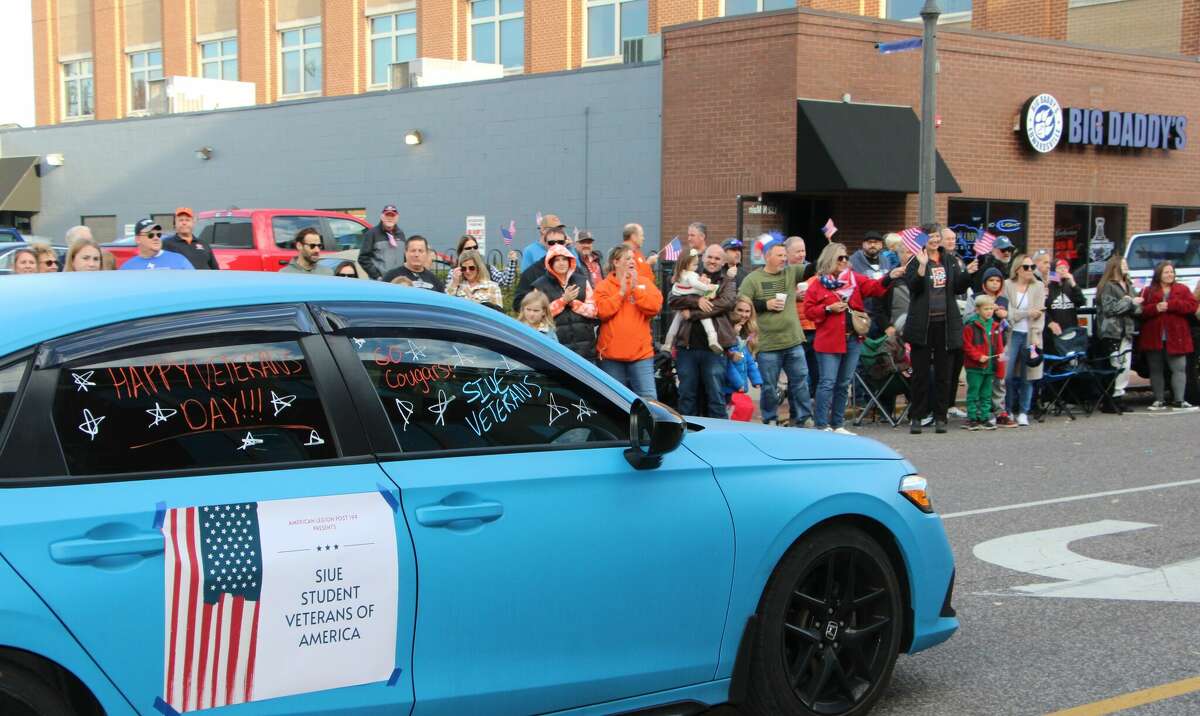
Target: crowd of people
[794, 329]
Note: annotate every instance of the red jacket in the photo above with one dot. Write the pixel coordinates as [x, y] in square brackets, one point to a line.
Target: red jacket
[1180, 304]
[978, 351]
[831, 327]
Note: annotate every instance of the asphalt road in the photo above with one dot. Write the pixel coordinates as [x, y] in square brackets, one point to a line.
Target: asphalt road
[1018, 653]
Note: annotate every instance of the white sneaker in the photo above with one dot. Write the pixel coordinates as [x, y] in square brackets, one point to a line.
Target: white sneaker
[1183, 405]
[1023, 420]
[827, 429]
[1158, 405]
[843, 431]
[956, 413]
[927, 421]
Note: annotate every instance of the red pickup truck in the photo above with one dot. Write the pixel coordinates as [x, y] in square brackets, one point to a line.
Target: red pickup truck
[261, 239]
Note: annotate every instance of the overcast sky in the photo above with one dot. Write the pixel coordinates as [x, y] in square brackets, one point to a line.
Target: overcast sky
[16, 62]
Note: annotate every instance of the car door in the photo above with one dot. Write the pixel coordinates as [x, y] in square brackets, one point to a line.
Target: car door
[194, 497]
[281, 248]
[344, 238]
[552, 574]
[232, 240]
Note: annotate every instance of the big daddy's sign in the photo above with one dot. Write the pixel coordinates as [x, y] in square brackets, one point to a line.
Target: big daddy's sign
[1045, 125]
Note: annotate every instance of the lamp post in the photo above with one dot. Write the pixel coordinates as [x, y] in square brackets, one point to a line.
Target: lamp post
[927, 175]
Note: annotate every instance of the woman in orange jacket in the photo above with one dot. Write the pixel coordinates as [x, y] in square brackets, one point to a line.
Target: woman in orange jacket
[626, 301]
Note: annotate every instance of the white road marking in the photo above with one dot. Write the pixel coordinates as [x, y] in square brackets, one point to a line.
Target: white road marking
[1047, 553]
[1070, 498]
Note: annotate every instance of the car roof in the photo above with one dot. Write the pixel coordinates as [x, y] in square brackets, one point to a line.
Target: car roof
[244, 213]
[71, 302]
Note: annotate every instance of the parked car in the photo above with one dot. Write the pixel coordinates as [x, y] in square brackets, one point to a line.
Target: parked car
[8, 233]
[8, 251]
[347, 497]
[261, 239]
[1180, 246]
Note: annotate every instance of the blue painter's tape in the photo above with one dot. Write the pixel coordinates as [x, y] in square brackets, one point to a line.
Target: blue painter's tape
[395, 677]
[162, 706]
[160, 513]
[387, 495]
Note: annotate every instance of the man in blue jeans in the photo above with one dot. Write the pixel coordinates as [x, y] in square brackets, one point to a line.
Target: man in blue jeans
[772, 290]
[697, 365]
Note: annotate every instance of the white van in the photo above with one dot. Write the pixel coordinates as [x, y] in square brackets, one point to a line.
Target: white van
[1180, 246]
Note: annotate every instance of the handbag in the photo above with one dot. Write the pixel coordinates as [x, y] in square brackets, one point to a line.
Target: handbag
[860, 321]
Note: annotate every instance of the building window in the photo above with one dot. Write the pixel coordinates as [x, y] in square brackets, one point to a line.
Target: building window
[611, 22]
[219, 60]
[498, 33]
[1086, 235]
[1168, 217]
[104, 228]
[393, 39]
[301, 60]
[745, 7]
[78, 94]
[911, 9]
[969, 218]
[143, 67]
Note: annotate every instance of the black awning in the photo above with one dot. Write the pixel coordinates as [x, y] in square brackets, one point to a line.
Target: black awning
[19, 188]
[842, 146]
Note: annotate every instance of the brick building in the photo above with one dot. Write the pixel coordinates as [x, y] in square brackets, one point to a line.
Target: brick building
[95, 59]
[782, 120]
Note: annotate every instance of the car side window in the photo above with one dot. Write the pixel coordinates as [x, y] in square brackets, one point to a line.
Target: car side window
[221, 406]
[449, 391]
[226, 232]
[10, 383]
[1182, 250]
[285, 228]
[347, 235]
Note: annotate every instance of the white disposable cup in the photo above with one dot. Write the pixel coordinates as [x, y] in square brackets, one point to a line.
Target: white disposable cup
[781, 297]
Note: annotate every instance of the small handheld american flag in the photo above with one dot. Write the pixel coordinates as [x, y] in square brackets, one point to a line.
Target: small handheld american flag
[672, 251]
[914, 239]
[829, 229]
[984, 244]
[509, 233]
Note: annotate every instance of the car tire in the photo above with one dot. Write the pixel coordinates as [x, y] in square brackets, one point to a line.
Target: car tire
[23, 692]
[830, 626]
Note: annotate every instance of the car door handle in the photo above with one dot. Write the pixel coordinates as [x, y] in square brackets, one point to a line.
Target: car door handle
[442, 515]
[87, 549]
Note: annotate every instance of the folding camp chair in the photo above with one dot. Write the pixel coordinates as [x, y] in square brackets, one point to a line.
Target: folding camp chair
[1104, 376]
[1064, 362]
[878, 381]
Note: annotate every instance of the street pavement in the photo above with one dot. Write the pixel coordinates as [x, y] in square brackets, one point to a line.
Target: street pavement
[1081, 641]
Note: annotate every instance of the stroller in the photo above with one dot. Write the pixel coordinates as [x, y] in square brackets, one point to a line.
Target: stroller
[665, 379]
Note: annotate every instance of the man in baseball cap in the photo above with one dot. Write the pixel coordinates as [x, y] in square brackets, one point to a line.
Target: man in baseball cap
[150, 255]
[383, 245]
[535, 254]
[186, 245]
[589, 260]
[733, 258]
[1000, 258]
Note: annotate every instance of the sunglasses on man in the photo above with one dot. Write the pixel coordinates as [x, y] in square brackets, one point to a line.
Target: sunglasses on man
[556, 242]
[307, 245]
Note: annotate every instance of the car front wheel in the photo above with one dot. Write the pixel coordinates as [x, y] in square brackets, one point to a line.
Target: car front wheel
[830, 625]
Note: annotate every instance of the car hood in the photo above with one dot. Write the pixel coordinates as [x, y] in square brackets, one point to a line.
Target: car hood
[785, 443]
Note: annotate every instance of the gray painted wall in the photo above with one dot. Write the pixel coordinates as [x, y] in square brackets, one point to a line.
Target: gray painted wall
[585, 145]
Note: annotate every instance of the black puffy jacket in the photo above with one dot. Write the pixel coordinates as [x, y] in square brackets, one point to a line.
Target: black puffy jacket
[575, 330]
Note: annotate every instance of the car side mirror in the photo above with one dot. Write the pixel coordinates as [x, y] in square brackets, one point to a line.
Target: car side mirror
[654, 431]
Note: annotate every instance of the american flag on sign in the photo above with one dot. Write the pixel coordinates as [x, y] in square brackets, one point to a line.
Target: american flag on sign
[213, 585]
[914, 239]
[509, 233]
[672, 251]
[983, 244]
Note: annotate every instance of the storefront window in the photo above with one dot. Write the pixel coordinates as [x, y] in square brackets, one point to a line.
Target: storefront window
[1086, 235]
[969, 218]
[1168, 217]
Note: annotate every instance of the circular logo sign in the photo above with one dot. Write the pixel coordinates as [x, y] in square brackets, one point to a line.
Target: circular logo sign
[1042, 123]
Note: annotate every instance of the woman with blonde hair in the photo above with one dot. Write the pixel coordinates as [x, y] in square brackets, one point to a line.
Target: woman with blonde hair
[470, 280]
[741, 369]
[1026, 319]
[84, 255]
[47, 260]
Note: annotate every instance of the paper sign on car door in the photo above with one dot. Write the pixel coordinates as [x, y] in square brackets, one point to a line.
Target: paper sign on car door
[269, 599]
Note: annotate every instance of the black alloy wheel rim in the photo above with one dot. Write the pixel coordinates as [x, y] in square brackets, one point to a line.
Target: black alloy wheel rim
[836, 631]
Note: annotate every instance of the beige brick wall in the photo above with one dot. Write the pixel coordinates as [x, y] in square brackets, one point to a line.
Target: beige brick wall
[46, 70]
[258, 48]
[1128, 24]
[342, 38]
[1044, 18]
[108, 52]
[177, 28]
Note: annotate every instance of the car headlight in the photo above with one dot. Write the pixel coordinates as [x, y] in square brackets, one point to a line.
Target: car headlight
[916, 490]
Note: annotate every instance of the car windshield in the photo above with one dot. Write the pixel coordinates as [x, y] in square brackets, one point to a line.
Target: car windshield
[1148, 250]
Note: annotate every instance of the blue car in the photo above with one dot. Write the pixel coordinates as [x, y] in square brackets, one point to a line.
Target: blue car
[299, 495]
